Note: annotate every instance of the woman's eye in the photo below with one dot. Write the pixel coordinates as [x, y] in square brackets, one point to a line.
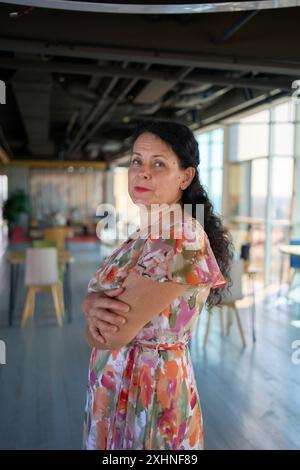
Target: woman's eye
[159, 163]
[134, 160]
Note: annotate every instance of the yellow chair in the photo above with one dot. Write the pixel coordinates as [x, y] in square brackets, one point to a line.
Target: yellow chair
[41, 274]
[44, 244]
[58, 235]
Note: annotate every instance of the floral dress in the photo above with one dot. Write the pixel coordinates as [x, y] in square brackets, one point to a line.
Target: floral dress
[144, 396]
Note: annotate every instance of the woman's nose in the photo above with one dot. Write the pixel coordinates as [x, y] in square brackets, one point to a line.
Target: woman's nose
[145, 172]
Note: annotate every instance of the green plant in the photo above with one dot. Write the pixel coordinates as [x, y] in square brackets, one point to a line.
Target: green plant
[14, 206]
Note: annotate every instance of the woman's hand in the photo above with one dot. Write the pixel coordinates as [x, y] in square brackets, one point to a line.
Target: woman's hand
[102, 312]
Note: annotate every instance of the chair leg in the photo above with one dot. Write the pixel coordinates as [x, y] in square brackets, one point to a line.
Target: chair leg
[55, 296]
[28, 310]
[229, 319]
[239, 325]
[32, 301]
[209, 311]
[61, 298]
[291, 280]
[221, 320]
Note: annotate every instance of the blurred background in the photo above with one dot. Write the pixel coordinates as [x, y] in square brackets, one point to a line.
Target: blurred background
[75, 82]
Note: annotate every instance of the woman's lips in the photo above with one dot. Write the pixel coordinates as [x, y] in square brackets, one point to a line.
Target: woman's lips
[141, 189]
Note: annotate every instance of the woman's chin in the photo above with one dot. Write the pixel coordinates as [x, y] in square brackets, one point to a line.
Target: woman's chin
[142, 199]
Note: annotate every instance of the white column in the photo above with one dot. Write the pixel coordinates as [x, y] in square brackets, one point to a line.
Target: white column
[269, 202]
[225, 198]
[296, 202]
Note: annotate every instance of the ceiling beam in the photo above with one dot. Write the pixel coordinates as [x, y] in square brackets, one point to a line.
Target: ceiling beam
[234, 102]
[192, 79]
[58, 164]
[184, 58]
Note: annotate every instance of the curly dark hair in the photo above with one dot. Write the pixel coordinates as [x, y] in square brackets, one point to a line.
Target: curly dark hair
[183, 143]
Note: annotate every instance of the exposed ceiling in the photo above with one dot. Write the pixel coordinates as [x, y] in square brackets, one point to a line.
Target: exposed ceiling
[78, 82]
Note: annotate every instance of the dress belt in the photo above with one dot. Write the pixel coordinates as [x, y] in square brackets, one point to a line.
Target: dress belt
[160, 346]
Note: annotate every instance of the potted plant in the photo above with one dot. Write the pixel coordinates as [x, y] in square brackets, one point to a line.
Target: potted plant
[14, 206]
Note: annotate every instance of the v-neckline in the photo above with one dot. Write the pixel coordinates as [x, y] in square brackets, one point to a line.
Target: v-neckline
[148, 231]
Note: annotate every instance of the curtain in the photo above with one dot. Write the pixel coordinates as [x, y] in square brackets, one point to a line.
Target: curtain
[78, 192]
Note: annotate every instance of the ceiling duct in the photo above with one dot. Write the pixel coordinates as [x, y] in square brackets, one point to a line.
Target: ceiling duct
[32, 92]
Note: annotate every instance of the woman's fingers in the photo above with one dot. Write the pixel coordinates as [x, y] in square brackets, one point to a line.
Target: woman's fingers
[113, 292]
[93, 300]
[102, 307]
[105, 315]
[109, 317]
[112, 304]
[103, 326]
[96, 334]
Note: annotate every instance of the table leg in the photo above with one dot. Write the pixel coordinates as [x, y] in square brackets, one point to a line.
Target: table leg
[253, 310]
[11, 295]
[281, 275]
[14, 277]
[67, 292]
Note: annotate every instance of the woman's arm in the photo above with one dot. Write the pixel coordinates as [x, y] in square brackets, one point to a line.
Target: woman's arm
[102, 309]
[146, 299]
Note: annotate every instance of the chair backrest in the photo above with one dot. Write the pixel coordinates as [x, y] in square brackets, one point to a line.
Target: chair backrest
[57, 234]
[245, 251]
[295, 260]
[41, 266]
[235, 291]
[44, 244]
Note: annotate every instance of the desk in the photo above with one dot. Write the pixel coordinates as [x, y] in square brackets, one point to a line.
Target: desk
[18, 258]
[287, 250]
[290, 249]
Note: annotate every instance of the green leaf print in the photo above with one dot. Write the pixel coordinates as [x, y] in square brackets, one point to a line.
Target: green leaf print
[101, 362]
[183, 402]
[192, 301]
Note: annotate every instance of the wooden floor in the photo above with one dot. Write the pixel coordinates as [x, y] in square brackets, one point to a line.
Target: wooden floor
[250, 397]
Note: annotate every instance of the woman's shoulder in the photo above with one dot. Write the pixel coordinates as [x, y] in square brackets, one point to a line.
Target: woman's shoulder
[188, 233]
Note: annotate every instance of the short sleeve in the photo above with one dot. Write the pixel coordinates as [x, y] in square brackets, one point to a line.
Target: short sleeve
[94, 285]
[185, 257]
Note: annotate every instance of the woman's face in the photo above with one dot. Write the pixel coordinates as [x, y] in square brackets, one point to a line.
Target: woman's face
[154, 166]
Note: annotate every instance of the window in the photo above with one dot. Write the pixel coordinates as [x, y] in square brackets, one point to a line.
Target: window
[211, 165]
[249, 138]
[261, 158]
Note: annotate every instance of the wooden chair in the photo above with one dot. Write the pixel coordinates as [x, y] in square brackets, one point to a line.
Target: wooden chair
[41, 274]
[50, 244]
[58, 235]
[44, 244]
[229, 302]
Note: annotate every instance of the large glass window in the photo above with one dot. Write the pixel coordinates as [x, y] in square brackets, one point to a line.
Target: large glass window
[258, 144]
[284, 129]
[249, 137]
[239, 194]
[282, 187]
[259, 187]
[211, 165]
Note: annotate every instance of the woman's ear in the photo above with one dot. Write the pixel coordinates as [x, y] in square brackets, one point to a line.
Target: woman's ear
[188, 177]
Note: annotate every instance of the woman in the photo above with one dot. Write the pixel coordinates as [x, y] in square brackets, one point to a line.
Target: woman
[142, 391]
